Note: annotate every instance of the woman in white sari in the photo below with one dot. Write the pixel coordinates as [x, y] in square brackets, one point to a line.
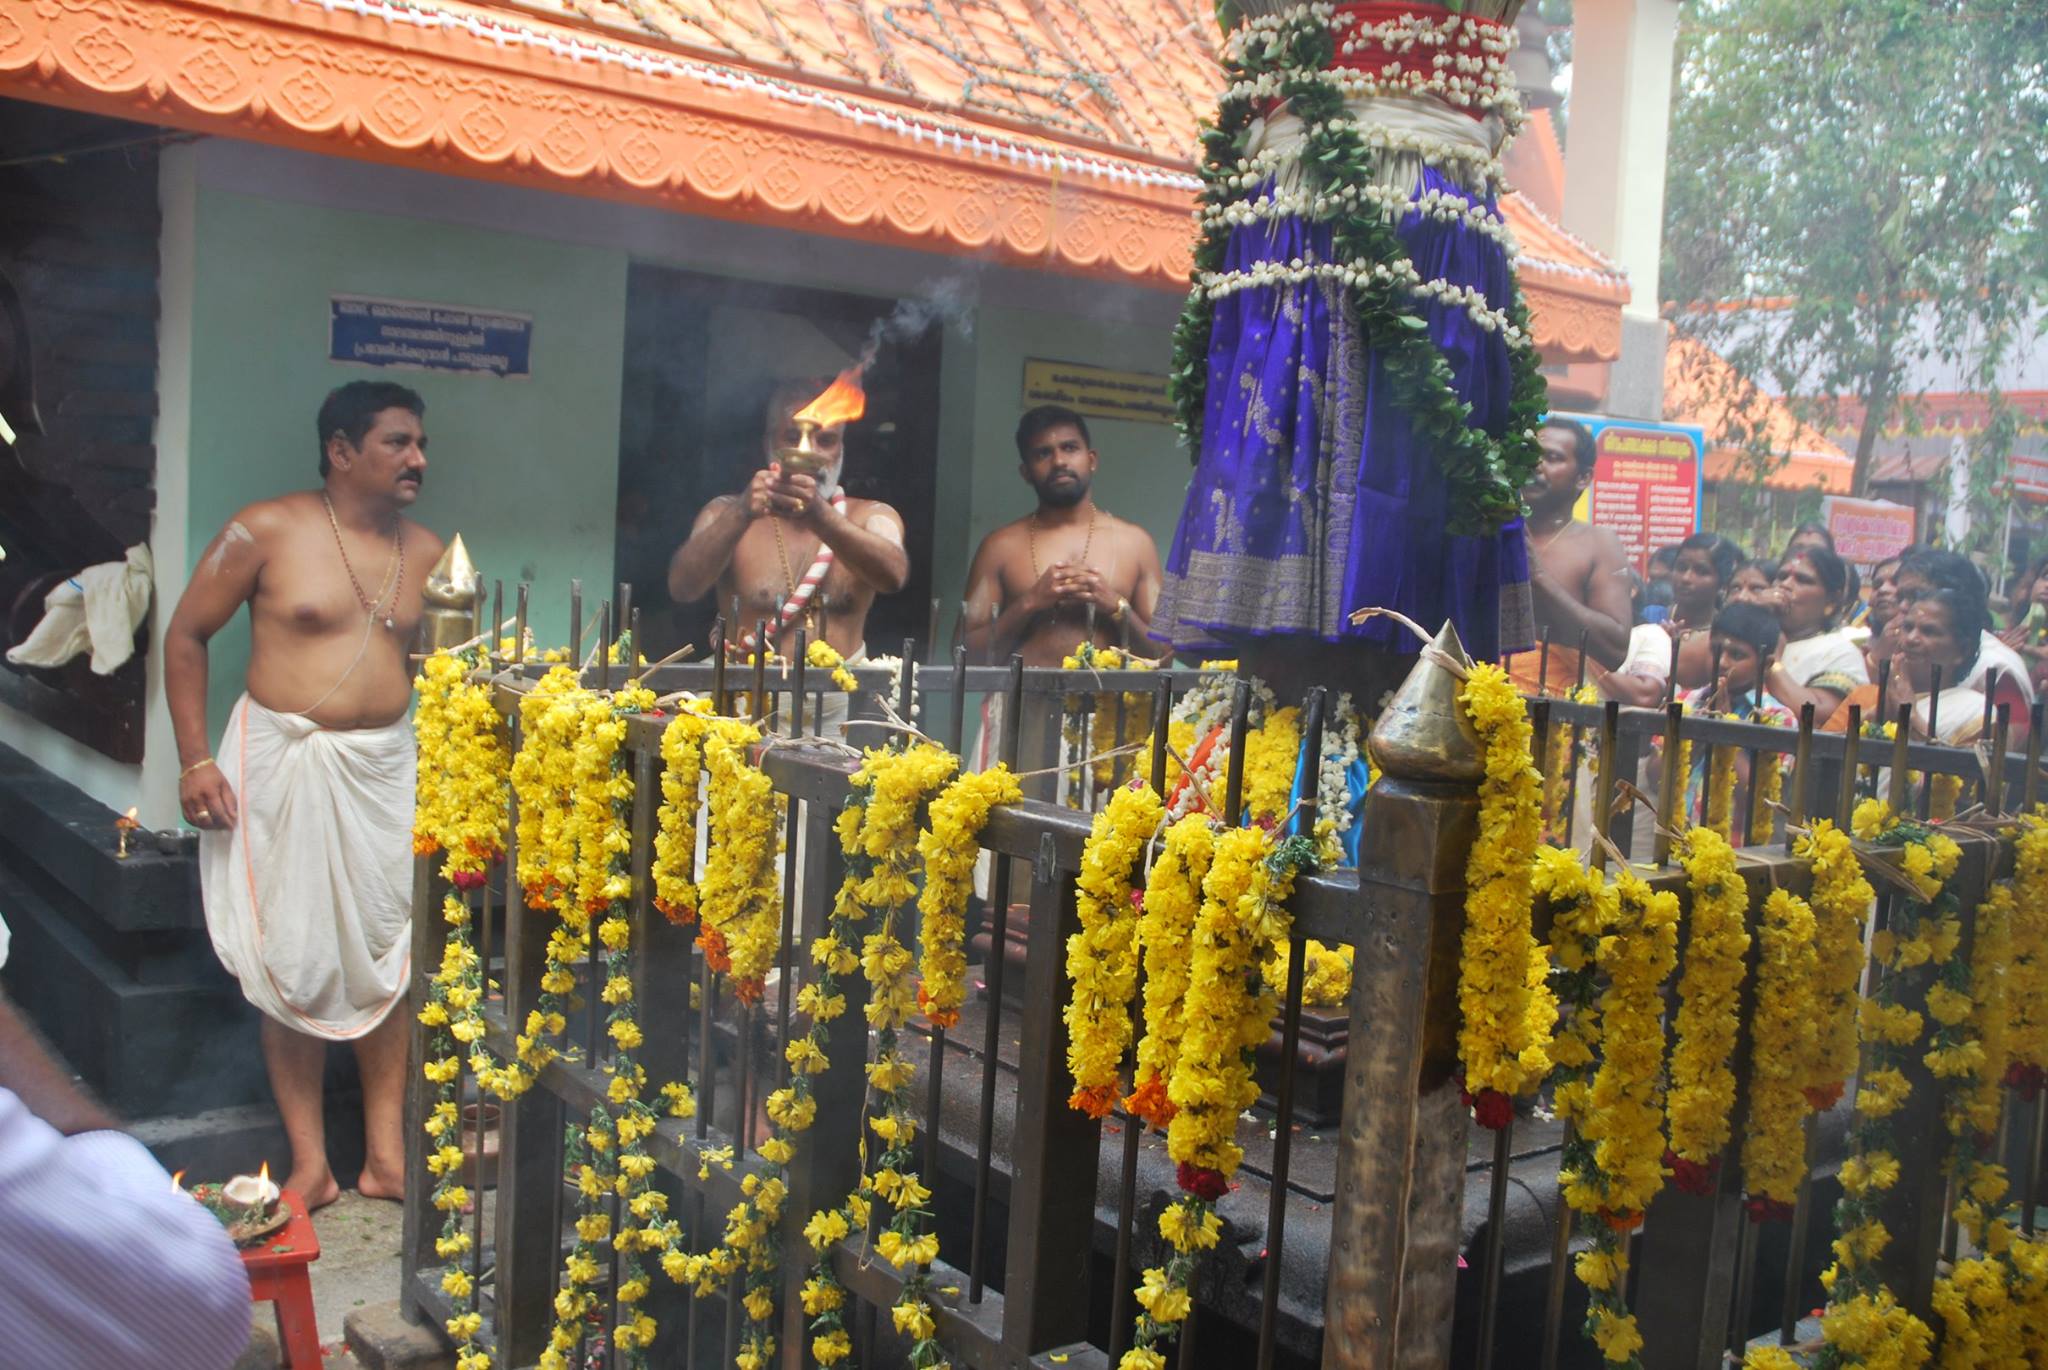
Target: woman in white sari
[1818, 663]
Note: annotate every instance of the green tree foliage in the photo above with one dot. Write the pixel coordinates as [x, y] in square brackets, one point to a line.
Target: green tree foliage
[1877, 165]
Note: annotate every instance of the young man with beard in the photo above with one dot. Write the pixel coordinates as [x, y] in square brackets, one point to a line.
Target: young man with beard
[1577, 572]
[305, 809]
[1034, 580]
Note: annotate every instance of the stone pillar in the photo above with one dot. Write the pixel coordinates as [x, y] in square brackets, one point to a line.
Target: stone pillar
[1620, 118]
[1400, 1163]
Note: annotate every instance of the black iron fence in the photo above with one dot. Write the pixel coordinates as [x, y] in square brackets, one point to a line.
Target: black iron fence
[1346, 1241]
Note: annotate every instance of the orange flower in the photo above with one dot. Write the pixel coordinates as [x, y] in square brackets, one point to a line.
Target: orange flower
[1149, 1101]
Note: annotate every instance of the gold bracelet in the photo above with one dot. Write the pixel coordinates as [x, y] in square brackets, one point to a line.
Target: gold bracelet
[202, 761]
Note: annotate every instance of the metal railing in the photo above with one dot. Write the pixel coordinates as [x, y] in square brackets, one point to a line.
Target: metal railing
[1044, 1213]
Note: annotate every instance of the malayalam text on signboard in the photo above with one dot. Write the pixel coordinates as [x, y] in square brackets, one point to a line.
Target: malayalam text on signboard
[1867, 531]
[1098, 392]
[413, 336]
[1646, 487]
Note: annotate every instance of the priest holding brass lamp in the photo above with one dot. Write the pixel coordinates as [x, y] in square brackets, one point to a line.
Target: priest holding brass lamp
[791, 548]
[305, 808]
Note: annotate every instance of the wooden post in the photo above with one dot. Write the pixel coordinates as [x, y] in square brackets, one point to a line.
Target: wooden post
[1053, 1147]
[421, 1224]
[1400, 1159]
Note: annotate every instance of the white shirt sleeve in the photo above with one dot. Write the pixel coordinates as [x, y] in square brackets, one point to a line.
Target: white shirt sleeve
[1649, 653]
[106, 1265]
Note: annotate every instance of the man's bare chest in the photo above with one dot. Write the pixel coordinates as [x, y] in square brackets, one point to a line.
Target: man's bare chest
[308, 588]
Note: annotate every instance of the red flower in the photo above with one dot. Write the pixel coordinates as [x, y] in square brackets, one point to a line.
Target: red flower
[1205, 1184]
[467, 880]
[1763, 1210]
[2024, 1078]
[1821, 1098]
[1490, 1108]
[1691, 1177]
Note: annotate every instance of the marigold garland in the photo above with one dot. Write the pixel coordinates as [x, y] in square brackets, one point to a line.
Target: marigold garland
[1503, 1039]
[1841, 905]
[1102, 958]
[1781, 1043]
[1864, 1324]
[1702, 1095]
[741, 895]
[950, 848]
[1721, 790]
[1767, 777]
[1227, 1014]
[1625, 1125]
[2027, 976]
[1166, 929]
[675, 840]
[464, 775]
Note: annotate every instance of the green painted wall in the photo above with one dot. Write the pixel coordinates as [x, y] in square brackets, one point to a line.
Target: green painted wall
[1143, 474]
[525, 469]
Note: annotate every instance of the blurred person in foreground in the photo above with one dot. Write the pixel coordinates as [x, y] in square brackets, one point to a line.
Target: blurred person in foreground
[107, 1263]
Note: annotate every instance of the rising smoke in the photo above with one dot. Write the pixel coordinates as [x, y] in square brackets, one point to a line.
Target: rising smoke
[948, 300]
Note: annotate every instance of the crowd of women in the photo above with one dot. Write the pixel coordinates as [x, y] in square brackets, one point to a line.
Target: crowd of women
[1760, 639]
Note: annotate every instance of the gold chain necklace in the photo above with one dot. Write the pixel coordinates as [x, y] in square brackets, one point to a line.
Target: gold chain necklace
[1544, 545]
[1031, 533]
[389, 584]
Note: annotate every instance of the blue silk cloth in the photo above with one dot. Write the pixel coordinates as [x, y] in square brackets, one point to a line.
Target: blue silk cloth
[1312, 495]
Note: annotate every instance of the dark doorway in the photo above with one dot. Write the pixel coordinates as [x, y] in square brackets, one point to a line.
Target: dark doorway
[702, 355]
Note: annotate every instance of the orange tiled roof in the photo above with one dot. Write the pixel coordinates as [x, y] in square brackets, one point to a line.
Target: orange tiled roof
[1700, 387]
[1048, 133]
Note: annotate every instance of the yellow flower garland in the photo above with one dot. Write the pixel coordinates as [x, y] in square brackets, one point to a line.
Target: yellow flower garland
[1102, 729]
[1768, 779]
[675, 839]
[1166, 929]
[464, 776]
[1781, 1042]
[1864, 1324]
[1613, 1167]
[950, 848]
[2026, 976]
[1841, 905]
[741, 895]
[1721, 790]
[1502, 1042]
[1326, 979]
[1227, 1013]
[1102, 959]
[1702, 1093]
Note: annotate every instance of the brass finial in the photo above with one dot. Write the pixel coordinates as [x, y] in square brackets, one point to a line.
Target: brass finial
[1423, 733]
[454, 582]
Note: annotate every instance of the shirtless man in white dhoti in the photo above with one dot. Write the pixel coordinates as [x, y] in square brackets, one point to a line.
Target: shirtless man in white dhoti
[305, 809]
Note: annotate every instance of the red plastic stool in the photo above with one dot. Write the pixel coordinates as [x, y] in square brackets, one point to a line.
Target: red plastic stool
[278, 1275]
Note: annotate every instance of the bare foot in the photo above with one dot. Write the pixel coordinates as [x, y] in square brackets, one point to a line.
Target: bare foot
[371, 1185]
[317, 1191]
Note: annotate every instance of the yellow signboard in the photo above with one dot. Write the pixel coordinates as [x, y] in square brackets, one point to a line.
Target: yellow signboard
[1097, 392]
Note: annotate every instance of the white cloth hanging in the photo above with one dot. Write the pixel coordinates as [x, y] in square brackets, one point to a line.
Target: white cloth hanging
[99, 608]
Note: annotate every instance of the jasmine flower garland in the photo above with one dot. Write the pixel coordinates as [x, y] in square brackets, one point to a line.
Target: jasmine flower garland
[1292, 61]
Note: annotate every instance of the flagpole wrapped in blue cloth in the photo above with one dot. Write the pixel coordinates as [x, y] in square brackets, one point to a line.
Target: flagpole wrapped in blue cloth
[1353, 369]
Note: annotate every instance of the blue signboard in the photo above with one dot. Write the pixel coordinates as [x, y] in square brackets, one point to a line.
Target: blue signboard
[413, 336]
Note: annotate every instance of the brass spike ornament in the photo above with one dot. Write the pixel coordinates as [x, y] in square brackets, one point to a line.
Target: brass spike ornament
[1423, 733]
[453, 594]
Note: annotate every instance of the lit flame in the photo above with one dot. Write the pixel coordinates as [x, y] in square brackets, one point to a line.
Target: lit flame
[263, 1174]
[127, 820]
[178, 1183]
[843, 401]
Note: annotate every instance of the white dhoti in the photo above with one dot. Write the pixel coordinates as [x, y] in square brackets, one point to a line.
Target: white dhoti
[308, 897]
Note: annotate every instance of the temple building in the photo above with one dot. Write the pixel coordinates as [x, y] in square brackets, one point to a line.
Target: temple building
[590, 234]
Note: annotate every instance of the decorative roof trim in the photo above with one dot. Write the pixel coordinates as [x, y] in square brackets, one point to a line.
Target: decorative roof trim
[455, 90]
